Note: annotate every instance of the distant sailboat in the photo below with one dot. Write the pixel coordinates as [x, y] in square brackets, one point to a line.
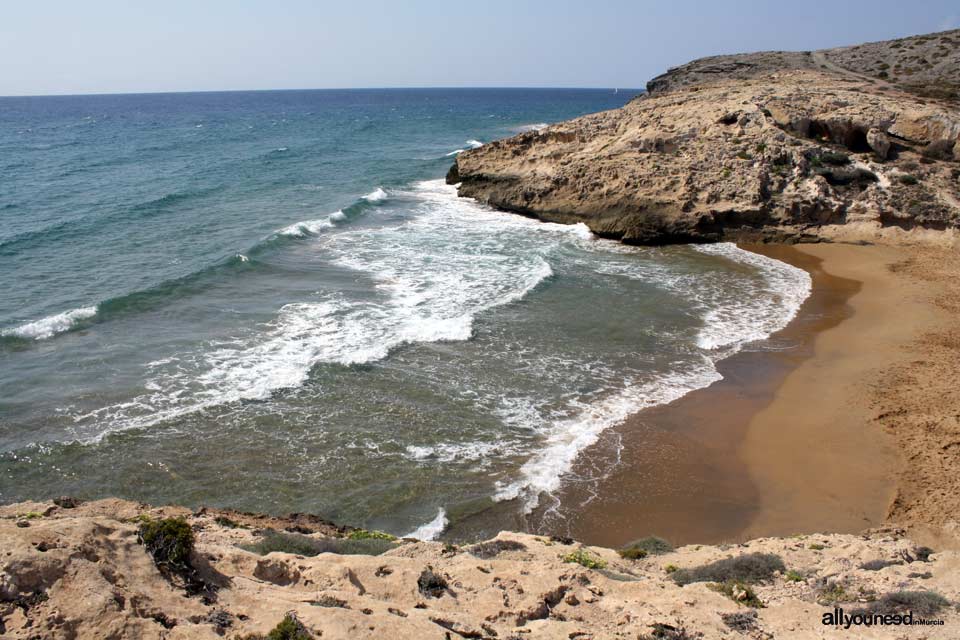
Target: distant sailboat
[616, 91]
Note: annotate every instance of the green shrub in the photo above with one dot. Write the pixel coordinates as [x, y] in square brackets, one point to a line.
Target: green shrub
[743, 155]
[923, 553]
[671, 568]
[794, 576]
[651, 545]
[224, 521]
[363, 534]
[431, 584]
[739, 592]
[585, 559]
[922, 603]
[290, 628]
[302, 545]
[169, 541]
[749, 568]
[908, 179]
[817, 546]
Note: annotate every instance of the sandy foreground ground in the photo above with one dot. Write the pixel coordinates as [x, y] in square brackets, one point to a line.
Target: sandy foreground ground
[81, 573]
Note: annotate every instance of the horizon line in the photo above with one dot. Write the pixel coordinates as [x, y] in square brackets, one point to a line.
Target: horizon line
[418, 88]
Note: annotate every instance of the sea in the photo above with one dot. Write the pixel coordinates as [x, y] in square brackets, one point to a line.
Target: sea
[272, 301]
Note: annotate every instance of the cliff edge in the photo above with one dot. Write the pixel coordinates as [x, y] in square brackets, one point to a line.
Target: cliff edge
[859, 143]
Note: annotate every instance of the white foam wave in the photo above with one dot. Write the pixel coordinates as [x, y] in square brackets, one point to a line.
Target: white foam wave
[431, 281]
[376, 195]
[306, 228]
[432, 529]
[564, 439]
[51, 325]
[455, 152]
[474, 144]
[455, 452]
[759, 313]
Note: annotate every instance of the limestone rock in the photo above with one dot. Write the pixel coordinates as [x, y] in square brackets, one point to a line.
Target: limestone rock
[879, 142]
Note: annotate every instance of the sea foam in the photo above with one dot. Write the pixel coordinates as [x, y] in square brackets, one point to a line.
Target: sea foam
[51, 325]
[432, 529]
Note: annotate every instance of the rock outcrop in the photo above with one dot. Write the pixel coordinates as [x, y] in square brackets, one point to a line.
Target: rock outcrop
[82, 573]
[783, 146]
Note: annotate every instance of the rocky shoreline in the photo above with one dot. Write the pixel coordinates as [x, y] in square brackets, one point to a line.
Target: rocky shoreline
[102, 570]
[848, 144]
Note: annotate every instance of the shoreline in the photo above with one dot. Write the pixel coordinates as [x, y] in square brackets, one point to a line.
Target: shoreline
[786, 443]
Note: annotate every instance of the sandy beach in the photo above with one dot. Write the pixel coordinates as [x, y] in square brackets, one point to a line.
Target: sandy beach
[800, 436]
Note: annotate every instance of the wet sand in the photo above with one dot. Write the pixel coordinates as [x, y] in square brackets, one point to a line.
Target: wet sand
[786, 443]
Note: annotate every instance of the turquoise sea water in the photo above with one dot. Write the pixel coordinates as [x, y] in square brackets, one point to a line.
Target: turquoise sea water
[271, 301]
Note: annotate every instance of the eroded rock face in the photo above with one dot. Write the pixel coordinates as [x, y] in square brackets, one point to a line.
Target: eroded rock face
[771, 146]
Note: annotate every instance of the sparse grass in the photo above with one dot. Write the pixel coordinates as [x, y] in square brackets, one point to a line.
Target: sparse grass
[742, 621]
[649, 546]
[30, 515]
[908, 179]
[302, 545]
[794, 576]
[363, 534]
[169, 541]
[671, 568]
[664, 631]
[833, 593]
[584, 558]
[493, 548]
[761, 147]
[726, 172]
[816, 546]
[739, 592]
[749, 568]
[921, 603]
[743, 155]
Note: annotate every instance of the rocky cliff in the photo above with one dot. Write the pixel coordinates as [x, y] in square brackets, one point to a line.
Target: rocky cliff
[858, 143]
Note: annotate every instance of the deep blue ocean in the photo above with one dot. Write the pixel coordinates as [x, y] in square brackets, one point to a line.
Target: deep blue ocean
[271, 301]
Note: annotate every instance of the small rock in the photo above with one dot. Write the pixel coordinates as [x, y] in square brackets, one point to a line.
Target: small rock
[571, 600]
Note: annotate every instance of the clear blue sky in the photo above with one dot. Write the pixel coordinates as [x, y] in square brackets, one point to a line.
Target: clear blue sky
[108, 46]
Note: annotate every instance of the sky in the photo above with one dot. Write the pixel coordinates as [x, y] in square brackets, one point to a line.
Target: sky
[130, 46]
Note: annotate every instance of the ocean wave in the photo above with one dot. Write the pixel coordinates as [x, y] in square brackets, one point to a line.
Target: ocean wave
[431, 284]
[471, 144]
[51, 325]
[376, 195]
[306, 228]
[432, 529]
